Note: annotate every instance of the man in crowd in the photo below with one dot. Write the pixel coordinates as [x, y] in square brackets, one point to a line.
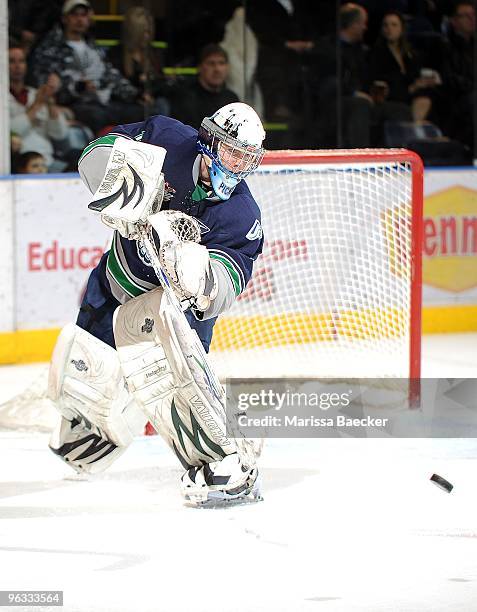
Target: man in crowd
[191, 103]
[458, 71]
[96, 92]
[34, 115]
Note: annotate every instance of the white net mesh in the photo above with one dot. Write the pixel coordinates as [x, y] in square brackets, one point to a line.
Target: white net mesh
[30, 408]
[330, 295]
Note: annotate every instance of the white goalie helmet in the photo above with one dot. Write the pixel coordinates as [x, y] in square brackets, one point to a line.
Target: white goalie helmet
[231, 141]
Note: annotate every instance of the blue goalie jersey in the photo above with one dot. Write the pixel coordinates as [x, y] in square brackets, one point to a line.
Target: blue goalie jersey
[231, 229]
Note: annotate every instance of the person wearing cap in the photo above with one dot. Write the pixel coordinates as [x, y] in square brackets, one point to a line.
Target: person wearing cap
[96, 92]
[192, 102]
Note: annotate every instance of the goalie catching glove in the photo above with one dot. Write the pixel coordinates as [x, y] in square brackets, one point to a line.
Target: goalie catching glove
[185, 262]
[187, 265]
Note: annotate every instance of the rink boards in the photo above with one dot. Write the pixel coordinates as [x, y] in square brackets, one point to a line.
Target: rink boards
[50, 242]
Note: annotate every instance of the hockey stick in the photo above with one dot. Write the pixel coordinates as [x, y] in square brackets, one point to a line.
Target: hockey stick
[205, 373]
[130, 193]
[202, 371]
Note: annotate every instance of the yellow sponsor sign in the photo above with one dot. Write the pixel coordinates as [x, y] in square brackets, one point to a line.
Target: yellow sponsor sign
[450, 239]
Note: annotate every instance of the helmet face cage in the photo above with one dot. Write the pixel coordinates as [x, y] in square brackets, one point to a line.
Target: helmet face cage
[233, 157]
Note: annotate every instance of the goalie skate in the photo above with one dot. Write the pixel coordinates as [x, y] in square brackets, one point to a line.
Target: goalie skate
[222, 482]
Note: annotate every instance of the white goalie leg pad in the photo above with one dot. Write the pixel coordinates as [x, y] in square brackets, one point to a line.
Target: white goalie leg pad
[165, 368]
[83, 446]
[144, 364]
[86, 384]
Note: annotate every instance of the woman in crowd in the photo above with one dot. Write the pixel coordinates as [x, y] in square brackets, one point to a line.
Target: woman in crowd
[396, 65]
[140, 62]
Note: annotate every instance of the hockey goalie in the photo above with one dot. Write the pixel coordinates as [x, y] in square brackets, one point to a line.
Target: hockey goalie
[186, 234]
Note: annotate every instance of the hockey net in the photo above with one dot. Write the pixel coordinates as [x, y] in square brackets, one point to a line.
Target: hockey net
[337, 290]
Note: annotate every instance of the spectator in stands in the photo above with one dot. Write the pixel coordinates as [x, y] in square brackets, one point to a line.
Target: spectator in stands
[140, 62]
[286, 31]
[356, 103]
[343, 104]
[29, 20]
[96, 92]
[362, 115]
[376, 10]
[458, 72]
[347, 93]
[353, 25]
[241, 46]
[30, 162]
[191, 103]
[34, 115]
[394, 62]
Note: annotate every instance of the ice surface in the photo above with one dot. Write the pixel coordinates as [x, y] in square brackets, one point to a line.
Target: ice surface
[346, 525]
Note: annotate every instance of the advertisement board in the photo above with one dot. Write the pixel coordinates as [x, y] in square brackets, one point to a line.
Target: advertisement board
[58, 242]
[51, 241]
[450, 237]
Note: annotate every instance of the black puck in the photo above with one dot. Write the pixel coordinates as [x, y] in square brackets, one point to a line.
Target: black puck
[442, 483]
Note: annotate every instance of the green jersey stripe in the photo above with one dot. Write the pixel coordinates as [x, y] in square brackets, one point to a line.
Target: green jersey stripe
[120, 278]
[234, 265]
[119, 274]
[103, 141]
[118, 292]
[119, 256]
[139, 282]
[234, 277]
